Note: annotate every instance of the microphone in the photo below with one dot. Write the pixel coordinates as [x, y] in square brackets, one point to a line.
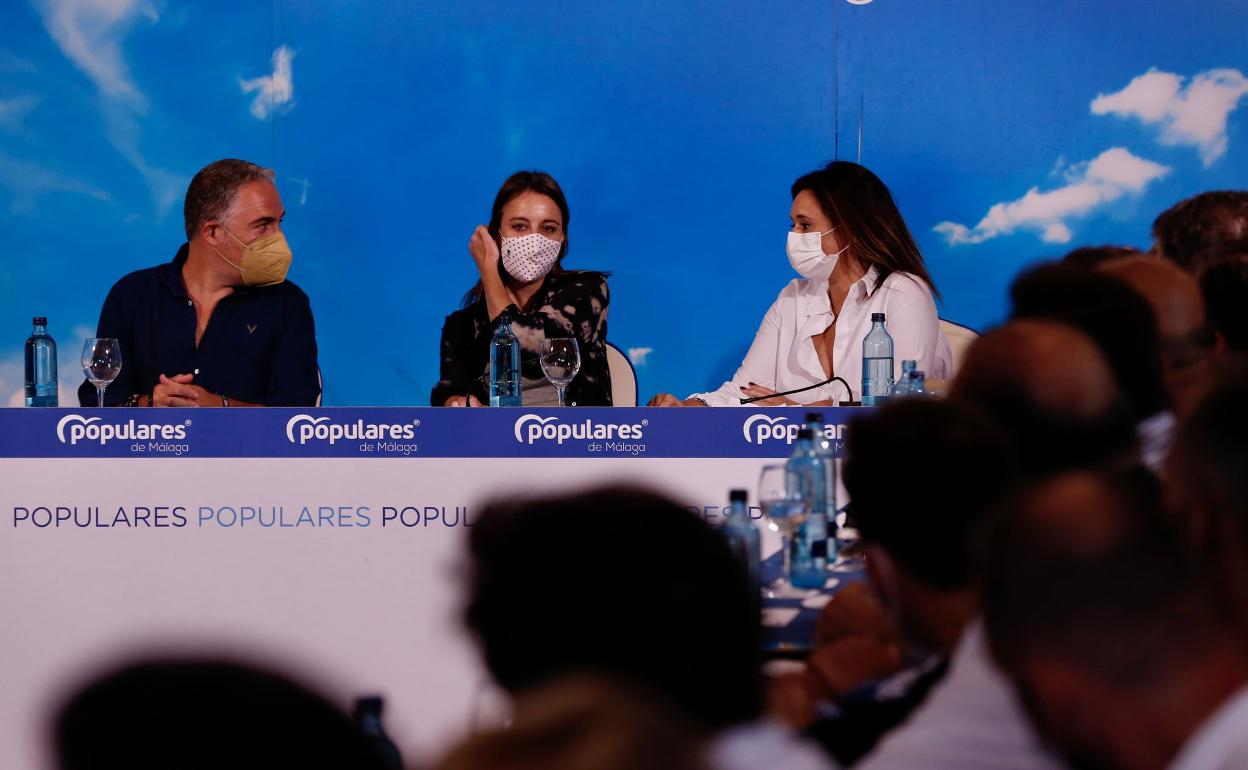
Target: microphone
[847, 402]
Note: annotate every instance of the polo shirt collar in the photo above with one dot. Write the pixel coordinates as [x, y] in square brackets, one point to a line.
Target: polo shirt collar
[171, 276]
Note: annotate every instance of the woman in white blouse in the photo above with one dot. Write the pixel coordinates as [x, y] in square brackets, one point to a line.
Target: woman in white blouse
[856, 257]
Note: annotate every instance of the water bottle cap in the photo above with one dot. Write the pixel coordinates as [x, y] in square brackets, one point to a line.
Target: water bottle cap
[917, 375]
[39, 321]
[738, 496]
[805, 432]
[877, 317]
[909, 365]
[814, 417]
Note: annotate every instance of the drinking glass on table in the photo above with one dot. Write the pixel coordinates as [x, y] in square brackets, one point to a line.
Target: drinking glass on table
[561, 360]
[101, 362]
[785, 505]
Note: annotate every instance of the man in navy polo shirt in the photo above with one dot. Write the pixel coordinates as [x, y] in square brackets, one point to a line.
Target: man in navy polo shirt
[219, 325]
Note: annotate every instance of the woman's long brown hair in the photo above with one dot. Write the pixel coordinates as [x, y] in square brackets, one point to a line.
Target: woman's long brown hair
[854, 198]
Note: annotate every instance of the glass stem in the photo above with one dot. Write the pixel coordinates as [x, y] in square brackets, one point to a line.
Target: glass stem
[99, 390]
[560, 389]
[784, 547]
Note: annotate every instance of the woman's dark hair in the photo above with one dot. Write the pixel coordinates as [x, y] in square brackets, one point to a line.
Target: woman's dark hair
[853, 197]
[518, 183]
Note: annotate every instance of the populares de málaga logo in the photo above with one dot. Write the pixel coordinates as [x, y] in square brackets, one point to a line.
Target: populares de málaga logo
[303, 428]
[73, 428]
[759, 429]
[530, 429]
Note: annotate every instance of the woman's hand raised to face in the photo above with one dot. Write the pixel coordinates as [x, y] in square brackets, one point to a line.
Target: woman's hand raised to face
[484, 252]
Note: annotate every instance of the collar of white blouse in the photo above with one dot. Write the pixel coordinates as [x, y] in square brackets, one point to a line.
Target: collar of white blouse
[816, 307]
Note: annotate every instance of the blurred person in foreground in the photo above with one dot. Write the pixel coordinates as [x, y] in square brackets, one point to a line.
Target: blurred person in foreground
[957, 710]
[1091, 256]
[583, 723]
[1179, 310]
[195, 714]
[1124, 328]
[1049, 402]
[1223, 280]
[1048, 386]
[1200, 223]
[219, 325]
[854, 257]
[1208, 481]
[1109, 627]
[627, 584]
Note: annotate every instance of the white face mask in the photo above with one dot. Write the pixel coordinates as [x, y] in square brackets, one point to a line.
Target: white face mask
[530, 257]
[807, 257]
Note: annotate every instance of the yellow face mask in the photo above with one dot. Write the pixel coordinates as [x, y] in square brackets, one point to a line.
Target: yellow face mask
[266, 260]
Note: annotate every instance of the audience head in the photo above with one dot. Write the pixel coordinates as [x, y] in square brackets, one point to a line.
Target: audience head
[1115, 318]
[1200, 223]
[1223, 280]
[616, 582]
[922, 548]
[861, 209]
[1048, 386]
[1091, 256]
[205, 715]
[1180, 315]
[1100, 614]
[583, 723]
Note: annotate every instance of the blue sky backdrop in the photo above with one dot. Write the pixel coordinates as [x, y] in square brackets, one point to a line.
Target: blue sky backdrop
[1008, 132]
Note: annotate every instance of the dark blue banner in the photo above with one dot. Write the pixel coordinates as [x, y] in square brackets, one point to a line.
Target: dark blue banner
[410, 432]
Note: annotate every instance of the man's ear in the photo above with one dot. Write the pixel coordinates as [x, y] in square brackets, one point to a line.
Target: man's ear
[211, 232]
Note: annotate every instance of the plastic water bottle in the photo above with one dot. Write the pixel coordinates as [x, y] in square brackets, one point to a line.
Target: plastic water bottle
[823, 447]
[877, 363]
[808, 561]
[41, 382]
[902, 388]
[742, 534]
[368, 719]
[504, 364]
[918, 385]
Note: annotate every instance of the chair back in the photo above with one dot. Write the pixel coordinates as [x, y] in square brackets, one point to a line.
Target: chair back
[623, 377]
[960, 338]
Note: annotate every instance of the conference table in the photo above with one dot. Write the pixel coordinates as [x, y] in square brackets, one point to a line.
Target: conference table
[328, 541]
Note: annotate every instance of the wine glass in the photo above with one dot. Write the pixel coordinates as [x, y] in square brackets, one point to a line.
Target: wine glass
[561, 360]
[101, 362]
[786, 504]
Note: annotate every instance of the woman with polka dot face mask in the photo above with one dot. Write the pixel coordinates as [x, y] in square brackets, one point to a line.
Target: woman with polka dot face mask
[518, 258]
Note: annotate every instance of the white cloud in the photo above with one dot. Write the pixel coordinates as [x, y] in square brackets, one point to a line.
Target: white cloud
[1106, 178]
[639, 355]
[90, 32]
[28, 180]
[13, 112]
[274, 93]
[304, 184]
[11, 64]
[1194, 115]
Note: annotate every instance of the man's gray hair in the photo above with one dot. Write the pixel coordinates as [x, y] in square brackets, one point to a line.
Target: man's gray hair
[212, 191]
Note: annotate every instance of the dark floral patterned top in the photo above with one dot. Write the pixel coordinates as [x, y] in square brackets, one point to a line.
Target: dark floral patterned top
[569, 304]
